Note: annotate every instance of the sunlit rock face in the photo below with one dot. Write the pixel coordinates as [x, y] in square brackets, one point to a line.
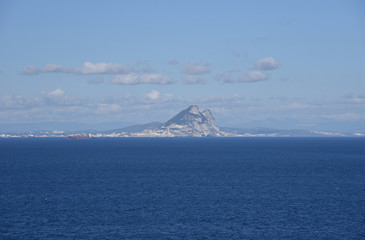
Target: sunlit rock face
[189, 122]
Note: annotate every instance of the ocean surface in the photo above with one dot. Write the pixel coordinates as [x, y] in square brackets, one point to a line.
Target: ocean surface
[182, 188]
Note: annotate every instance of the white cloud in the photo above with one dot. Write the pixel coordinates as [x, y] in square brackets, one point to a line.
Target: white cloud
[128, 79]
[107, 108]
[265, 64]
[133, 79]
[101, 68]
[52, 98]
[49, 68]
[358, 99]
[86, 68]
[194, 68]
[253, 76]
[193, 79]
[153, 95]
[159, 98]
[154, 105]
[57, 105]
[59, 97]
[56, 93]
[351, 98]
[13, 102]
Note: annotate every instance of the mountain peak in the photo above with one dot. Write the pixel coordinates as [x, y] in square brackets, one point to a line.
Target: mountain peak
[194, 109]
[207, 113]
[191, 122]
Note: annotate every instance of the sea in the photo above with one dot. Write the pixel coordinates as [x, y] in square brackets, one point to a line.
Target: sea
[182, 188]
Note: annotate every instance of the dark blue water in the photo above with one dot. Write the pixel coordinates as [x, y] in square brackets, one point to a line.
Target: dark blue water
[218, 188]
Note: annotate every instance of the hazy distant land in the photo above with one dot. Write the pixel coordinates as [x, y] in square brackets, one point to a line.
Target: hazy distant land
[189, 122]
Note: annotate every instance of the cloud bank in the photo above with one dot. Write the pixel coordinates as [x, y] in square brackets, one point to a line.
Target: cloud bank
[142, 73]
[160, 106]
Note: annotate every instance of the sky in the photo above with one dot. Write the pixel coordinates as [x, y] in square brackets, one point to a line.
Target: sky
[108, 64]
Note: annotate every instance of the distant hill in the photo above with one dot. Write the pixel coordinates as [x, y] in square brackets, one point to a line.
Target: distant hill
[267, 132]
[190, 122]
[137, 128]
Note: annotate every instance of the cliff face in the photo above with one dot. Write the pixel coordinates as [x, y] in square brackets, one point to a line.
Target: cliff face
[189, 122]
[211, 121]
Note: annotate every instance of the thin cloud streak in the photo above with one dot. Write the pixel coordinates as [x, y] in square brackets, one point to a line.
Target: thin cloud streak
[88, 68]
[249, 77]
[134, 79]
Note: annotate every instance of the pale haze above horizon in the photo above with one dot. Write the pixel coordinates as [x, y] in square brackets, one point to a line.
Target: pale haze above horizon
[104, 64]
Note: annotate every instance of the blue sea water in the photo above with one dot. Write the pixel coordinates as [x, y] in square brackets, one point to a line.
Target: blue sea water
[182, 188]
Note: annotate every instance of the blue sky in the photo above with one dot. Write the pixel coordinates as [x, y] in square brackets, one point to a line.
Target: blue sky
[279, 64]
